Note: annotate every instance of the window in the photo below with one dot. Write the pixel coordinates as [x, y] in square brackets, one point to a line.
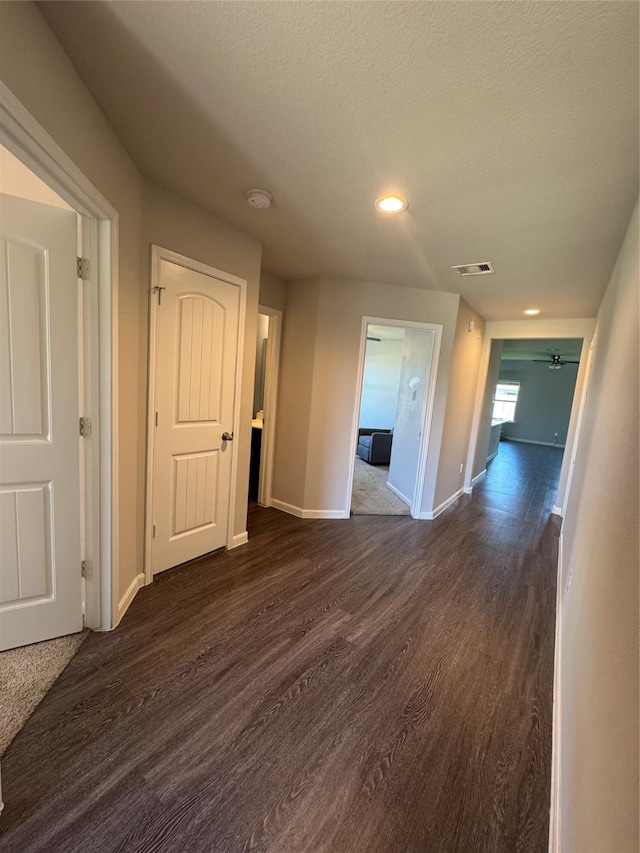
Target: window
[505, 401]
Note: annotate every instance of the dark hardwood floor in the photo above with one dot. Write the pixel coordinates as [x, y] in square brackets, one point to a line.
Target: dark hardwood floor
[378, 684]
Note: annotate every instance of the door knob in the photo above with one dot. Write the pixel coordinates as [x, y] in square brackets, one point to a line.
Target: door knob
[227, 436]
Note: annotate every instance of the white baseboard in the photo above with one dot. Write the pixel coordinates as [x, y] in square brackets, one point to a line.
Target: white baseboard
[398, 494]
[557, 510]
[556, 745]
[468, 490]
[308, 513]
[127, 598]
[479, 477]
[493, 456]
[436, 512]
[530, 441]
[238, 539]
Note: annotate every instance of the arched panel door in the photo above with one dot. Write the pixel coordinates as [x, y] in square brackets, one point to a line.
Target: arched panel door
[197, 347]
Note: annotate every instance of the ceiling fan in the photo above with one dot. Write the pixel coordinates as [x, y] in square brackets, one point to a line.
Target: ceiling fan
[554, 361]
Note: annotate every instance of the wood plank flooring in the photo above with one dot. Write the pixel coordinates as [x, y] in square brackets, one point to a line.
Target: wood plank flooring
[377, 684]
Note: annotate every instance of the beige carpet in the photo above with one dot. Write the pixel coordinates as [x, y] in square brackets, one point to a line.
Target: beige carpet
[26, 674]
[370, 495]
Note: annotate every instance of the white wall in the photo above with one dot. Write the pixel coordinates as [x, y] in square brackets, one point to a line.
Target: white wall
[380, 383]
[544, 401]
[597, 681]
[417, 362]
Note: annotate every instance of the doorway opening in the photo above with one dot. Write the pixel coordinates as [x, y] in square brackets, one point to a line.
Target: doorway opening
[265, 399]
[526, 411]
[396, 382]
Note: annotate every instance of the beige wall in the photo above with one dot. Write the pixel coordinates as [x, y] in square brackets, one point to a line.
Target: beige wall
[484, 429]
[18, 180]
[36, 69]
[273, 291]
[173, 223]
[598, 733]
[295, 392]
[463, 379]
[320, 355]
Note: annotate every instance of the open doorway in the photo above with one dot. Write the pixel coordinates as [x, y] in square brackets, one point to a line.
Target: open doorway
[264, 404]
[526, 410]
[395, 393]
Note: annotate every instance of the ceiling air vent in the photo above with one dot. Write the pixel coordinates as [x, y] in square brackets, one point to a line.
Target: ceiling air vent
[474, 269]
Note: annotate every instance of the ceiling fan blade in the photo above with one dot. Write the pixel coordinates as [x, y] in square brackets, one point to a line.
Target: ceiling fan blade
[369, 338]
[564, 361]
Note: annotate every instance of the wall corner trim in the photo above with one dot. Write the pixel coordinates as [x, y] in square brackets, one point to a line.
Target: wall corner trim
[299, 512]
[398, 493]
[556, 745]
[557, 510]
[130, 594]
[429, 516]
[239, 539]
[479, 477]
[468, 490]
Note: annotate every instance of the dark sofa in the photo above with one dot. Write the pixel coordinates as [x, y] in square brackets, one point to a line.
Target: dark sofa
[374, 445]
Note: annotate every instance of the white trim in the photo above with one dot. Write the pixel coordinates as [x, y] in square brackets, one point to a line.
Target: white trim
[576, 437]
[530, 441]
[123, 605]
[557, 510]
[479, 477]
[523, 330]
[468, 490]
[492, 457]
[308, 513]
[239, 539]
[270, 405]
[556, 728]
[427, 408]
[160, 254]
[21, 134]
[399, 494]
[430, 515]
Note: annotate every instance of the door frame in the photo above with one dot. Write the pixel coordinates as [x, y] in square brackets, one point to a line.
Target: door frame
[159, 254]
[520, 330]
[27, 140]
[271, 380]
[427, 405]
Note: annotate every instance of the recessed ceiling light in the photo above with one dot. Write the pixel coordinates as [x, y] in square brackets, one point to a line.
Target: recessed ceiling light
[532, 311]
[392, 204]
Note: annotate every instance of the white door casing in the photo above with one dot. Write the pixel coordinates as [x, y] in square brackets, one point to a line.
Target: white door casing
[40, 565]
[196, 355]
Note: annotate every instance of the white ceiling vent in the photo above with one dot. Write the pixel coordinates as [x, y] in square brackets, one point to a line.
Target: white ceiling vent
[474, 269]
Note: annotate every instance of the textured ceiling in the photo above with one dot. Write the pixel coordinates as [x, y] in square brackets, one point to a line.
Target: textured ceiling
[512, 128]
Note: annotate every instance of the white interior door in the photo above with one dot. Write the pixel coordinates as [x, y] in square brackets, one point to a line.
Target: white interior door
[196, 355]
[40, 557]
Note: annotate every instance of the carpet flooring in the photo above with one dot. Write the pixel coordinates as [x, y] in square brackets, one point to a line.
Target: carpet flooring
[26, 675]
[371, 495]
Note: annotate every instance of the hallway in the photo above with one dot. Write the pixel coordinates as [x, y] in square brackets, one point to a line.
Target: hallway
[376, 684]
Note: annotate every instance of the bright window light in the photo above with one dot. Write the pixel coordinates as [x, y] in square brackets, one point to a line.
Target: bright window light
[505, 401]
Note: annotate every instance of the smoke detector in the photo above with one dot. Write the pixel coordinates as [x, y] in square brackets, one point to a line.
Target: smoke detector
[474, 269]
[259, 199]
